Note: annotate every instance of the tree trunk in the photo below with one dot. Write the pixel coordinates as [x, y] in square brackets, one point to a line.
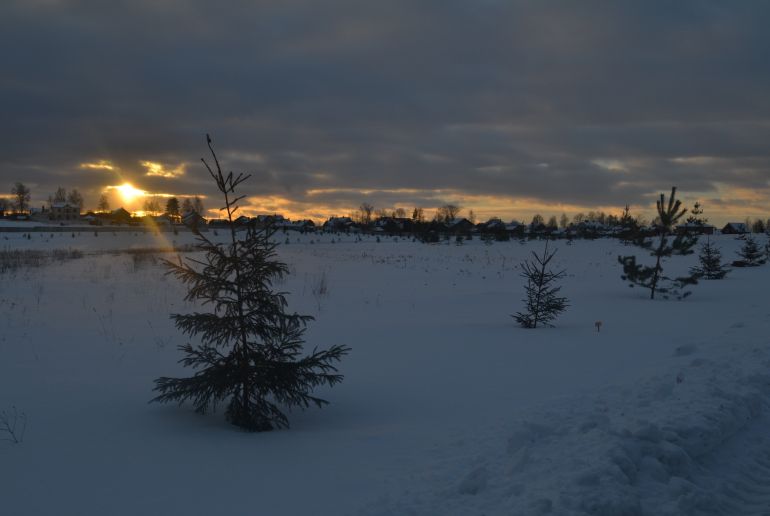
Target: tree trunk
[656, 274]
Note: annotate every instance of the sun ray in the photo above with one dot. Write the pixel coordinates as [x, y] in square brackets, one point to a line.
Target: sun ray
[128, 192]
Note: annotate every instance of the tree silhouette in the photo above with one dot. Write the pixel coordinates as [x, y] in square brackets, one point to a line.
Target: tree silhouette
[695, 215]
[75, 198]
[151, 206]
[250, 348]
[21, 195]
[104, 203]
[710, 263]
[59, 196]
[682, 244]
[750, 253]
[172, 207]
[365, 213]
[543, 304]
[447, 213]
[197, 204]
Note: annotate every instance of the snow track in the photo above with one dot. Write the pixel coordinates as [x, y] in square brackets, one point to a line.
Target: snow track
[739, 472]
[692, 441]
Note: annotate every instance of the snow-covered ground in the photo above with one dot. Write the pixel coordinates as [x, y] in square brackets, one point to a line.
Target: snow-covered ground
[447, 406]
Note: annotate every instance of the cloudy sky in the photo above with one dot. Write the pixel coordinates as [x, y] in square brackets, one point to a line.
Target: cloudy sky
[505, 107]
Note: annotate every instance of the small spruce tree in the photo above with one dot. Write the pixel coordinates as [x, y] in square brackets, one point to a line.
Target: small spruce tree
[249, 353]
[751, 254]
[695, 215]
[542, 302]
[652, 277]
[629, 228]
[710, 263]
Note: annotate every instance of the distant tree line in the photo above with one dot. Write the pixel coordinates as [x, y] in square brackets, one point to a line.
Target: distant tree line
[367, 214]
[19, 202]
[173, 208]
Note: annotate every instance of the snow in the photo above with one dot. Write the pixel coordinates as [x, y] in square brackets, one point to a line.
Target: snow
[26, 224]
[657, 448]
[447, 407]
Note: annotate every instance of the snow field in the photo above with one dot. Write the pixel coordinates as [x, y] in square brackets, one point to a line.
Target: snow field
[447, 407]
[690, 441]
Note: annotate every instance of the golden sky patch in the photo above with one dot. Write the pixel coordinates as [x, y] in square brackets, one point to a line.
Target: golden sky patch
[484, 206]
[364, 191]
[160, 170]
[102, 164]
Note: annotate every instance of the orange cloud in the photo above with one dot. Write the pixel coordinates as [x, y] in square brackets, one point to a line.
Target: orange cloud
[319, 204]
[102, 164]
[160, 170]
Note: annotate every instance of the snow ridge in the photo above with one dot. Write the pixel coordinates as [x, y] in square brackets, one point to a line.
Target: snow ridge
[691, 441]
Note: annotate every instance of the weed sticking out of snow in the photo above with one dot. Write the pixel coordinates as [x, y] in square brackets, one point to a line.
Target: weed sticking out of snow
[13, 259]
[320, 288]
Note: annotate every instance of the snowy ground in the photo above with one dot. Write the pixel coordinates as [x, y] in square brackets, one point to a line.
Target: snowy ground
[447, 407]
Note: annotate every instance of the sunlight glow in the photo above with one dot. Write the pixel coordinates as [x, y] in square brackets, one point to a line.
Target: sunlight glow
[128, 193]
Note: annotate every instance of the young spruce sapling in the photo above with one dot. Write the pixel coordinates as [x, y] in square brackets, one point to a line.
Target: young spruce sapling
[249, 353]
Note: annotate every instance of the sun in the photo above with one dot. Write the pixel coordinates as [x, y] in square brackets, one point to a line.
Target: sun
[128, 193]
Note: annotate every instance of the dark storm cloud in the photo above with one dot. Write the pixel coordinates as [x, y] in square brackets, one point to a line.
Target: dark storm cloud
[529, 99]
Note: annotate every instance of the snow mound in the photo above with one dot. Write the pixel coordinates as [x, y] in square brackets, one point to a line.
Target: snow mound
[691, 441]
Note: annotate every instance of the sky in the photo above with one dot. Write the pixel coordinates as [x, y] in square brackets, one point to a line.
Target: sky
[508, 108]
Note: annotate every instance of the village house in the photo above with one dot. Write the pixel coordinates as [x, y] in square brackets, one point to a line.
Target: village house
[193, 220]
[516, 228]
[493, 224]
[120, 216]
[338, 224]
[241, 221]
[64, 212]
[693, 228]
[303, 225]
[735, 228]
[219, 223]
[39, 214]
[460, 226]
[275, 221]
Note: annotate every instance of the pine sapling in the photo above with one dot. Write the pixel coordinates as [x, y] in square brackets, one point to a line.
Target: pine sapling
[542, 302]
[653, 278]
[249, 353]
